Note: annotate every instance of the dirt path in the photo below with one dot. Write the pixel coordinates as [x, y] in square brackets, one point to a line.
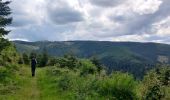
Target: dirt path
[28, 87]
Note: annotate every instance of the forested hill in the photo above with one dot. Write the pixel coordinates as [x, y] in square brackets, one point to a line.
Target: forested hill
[133, 57]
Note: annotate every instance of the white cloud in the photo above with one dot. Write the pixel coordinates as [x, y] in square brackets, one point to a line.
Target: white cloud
[162, 28]
[145, 6]
[113, 20]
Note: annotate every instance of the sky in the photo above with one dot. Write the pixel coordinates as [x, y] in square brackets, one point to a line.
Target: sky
[98, 20]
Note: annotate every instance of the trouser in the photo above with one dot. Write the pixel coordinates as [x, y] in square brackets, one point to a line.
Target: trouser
[33, 70]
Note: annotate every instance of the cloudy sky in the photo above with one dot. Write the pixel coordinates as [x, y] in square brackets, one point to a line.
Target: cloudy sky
[103, 20]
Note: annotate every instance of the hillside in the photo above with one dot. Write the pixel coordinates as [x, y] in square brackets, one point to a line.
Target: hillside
[130, 57]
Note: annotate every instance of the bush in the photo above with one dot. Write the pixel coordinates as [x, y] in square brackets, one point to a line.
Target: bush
[65, 82]
[86, 88]
[156, 84]
[9, 55]
[8, 69]
[26, 59]
[4, 73]
[119, 86]
[87, 67]
[68, 61]
[52, 61]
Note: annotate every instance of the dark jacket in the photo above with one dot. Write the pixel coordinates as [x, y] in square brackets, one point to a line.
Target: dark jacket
[33, 62]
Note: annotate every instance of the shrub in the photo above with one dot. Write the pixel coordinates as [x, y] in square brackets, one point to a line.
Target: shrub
[52, 61]
[9, 55]
[4, 73]
[26, 59]
[68, 61]
[119, 86]
[87, 67]
[155, 84]
[65, 82]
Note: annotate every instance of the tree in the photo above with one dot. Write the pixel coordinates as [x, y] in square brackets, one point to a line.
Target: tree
[25, 58]
[52, 61]
[87, 67]
[69, 61]
[20, 61]
[97, 63]
[43, 58]
[32, 55]
[156, 84]
[5, 11]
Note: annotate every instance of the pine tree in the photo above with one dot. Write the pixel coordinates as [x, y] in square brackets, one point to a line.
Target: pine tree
[5, 20]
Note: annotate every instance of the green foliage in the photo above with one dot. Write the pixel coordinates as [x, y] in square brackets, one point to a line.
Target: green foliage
[20, 61]
[120, 86]
[8, 55]
[154, 93]
[97, 63]
[87, 67]
[32, 55]
[26, 59]
[5, 11]
[8, 69]
[3, 74]
[70, 86]
[92, 86]
[52, 61]
[43, 59]
[156, 84]
[65, 82]
[3, 43]
[132, 57]
[8, 77]
[68, 61]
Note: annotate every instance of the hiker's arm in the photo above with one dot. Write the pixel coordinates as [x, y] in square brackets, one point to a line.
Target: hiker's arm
[35, 61]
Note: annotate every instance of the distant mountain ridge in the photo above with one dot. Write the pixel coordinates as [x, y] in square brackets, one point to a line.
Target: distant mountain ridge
[124, 56]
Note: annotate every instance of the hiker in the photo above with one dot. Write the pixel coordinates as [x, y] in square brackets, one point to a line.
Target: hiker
[33, 66]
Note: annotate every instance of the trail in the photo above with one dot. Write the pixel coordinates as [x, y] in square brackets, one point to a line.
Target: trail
[30, 90]
[28, 87]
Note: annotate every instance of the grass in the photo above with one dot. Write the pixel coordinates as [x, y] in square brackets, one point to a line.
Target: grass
[28, 87]
[52, 83]
[45, 86]
[39, 87]
[49, 89]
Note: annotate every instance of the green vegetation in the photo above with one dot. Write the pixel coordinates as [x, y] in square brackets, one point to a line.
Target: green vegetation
[156, 84]
[8, 55]
[132, 57]
[71, 78]
[9, 68]
[5, 11]
[86, 83]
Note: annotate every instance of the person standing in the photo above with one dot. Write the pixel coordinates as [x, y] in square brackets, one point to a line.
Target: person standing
[33, 66]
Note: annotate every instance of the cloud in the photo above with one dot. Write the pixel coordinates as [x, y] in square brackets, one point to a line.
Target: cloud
[146, 6]
[27, 12]
[162, 28]
[106, 3]
[62, 13]
[65, 16]
[138, 22]
[42, 32]
[113, 20]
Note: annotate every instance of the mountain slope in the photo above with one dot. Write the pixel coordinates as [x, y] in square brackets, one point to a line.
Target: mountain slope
[124, 56]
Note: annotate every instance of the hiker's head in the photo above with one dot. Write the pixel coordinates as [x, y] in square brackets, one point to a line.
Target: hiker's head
[33, 57]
